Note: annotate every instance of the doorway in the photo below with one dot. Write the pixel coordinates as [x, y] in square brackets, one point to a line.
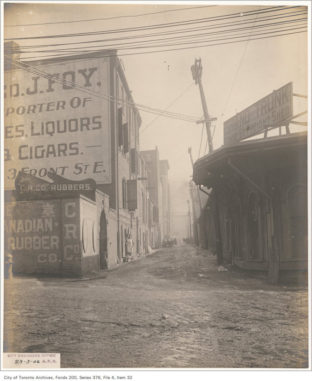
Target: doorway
[103, 241]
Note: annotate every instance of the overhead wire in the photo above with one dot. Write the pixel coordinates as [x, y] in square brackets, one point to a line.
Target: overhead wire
[211, 42]
[35, 71]
[170, 104]
[178, 31]
[111, 18]
[143, 108]
[156, 26]
[235, 76]
[159, 45]
[62, 55]
[228, 40]
[147, 44]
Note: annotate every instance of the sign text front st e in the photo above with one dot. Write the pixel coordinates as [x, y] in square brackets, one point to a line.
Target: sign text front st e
[274, 110]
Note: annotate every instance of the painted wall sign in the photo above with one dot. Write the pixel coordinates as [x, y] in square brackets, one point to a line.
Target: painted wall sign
[71, 235]
[32, 231]
[29, 187]
[58, 126]
[271, 111]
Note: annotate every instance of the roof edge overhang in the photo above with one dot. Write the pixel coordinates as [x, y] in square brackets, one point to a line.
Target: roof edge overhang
[247, 148]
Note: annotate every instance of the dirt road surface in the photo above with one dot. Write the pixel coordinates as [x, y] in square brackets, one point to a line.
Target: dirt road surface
[172, 309]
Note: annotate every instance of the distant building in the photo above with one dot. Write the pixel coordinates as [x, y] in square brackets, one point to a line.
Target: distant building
[151, 159]
[143, 207]
[166, 206]
[159, 194]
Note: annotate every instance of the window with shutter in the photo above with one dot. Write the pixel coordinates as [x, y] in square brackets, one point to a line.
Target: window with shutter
[125, 137]
[133, 164]
[120, 127]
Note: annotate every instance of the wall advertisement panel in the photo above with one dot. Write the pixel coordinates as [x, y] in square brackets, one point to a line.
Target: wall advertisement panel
[57, 118]
[32, 235]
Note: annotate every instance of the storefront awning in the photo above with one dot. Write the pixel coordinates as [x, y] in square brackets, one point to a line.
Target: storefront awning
[269, 152]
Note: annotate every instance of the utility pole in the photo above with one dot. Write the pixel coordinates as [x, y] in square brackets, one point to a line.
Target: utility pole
[197, 70]
[195, 218]
[192, 162]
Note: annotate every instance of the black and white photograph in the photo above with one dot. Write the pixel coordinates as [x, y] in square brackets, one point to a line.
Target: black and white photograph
[155, 198]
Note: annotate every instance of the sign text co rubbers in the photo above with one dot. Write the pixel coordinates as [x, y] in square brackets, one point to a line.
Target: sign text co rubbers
[274, 110]
[51, 125]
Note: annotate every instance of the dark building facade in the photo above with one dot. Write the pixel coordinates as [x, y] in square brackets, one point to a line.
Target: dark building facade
[256, 214]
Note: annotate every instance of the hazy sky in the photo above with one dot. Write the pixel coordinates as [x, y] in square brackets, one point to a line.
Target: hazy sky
[234, 76]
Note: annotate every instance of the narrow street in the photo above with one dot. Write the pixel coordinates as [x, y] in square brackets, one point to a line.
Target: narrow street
[172, 309]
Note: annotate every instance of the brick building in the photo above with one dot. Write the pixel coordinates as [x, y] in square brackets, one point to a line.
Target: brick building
[73, 119]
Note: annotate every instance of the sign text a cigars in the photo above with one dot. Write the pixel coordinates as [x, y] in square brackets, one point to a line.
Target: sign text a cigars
[274, 110]
[54, 121]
